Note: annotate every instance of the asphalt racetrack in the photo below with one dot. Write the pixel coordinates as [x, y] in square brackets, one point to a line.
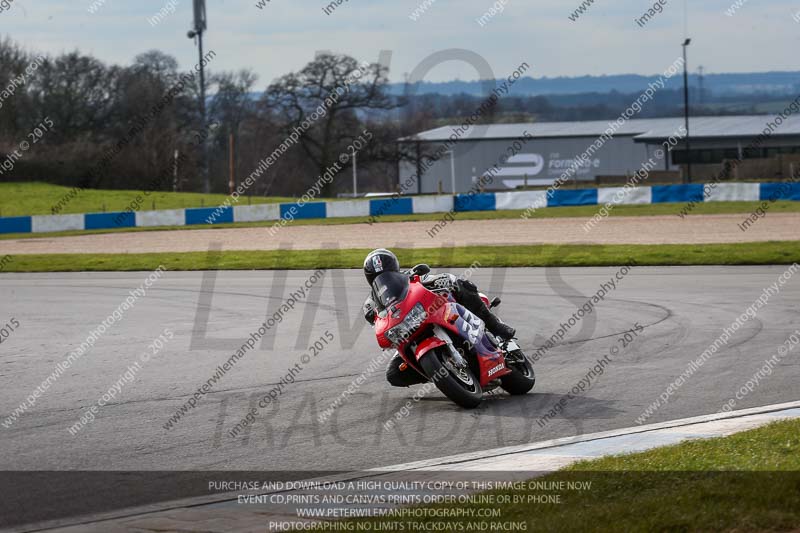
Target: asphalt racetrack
[681, 310]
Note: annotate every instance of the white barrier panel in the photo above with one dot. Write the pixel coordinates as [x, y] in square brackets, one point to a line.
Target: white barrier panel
[734, 192]
[621, 196]
[520, 200]
[256, 213]
[167, 217]
[347, 208]
[432, 204]
[50, 223]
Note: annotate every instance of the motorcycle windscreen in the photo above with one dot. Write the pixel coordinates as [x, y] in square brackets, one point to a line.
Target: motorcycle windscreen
[390, 288]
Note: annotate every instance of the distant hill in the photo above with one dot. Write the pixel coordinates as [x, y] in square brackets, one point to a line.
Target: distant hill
[774, 83]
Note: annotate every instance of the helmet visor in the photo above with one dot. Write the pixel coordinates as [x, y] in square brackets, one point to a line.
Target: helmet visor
[390, 288]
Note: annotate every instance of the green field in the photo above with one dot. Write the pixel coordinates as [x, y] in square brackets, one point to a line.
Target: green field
[749, 481]
[763, 253]
[21, 199]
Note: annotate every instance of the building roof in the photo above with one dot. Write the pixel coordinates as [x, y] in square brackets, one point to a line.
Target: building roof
[643, 130]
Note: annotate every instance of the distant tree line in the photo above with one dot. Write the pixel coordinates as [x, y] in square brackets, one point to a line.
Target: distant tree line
[105, 133]
[591, 106]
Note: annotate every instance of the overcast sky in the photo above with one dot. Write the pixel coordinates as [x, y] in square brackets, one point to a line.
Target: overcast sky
[283, 36]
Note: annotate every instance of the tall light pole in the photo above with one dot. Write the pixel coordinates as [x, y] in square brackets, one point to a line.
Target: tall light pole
[197, 31]
[686, 44]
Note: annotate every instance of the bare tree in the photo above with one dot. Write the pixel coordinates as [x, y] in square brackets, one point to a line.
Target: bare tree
[231, 106]
[337, 90]
[13, 61]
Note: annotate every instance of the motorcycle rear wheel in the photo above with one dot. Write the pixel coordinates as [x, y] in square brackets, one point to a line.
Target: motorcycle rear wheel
[459, 385]
[521, 379]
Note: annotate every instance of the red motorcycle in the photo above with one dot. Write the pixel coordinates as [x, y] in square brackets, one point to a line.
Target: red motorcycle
[444, 341]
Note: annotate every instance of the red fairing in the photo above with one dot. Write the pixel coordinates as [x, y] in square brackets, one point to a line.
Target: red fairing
[444, 312]
[417, 293]
[427, 345]
[492, 367]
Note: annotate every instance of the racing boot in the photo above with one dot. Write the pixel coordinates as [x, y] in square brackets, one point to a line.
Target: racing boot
[467, 295]
[497, 326]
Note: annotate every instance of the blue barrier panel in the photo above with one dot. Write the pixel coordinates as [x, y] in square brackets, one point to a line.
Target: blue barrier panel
[780, 191]
[312, 210]
[577, 197]
[15, 225]
[391, 206]
[209, 215]
[475, 202]
[126, 219]
[667, 194]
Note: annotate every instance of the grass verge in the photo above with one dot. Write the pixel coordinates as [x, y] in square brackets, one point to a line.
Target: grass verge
[749, 481]
[761, 253]
[23, 199]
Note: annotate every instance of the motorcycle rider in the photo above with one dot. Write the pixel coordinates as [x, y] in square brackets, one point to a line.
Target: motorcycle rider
[465, 292]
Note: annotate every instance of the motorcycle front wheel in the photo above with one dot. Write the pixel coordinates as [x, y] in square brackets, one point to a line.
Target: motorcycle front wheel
[458, 384]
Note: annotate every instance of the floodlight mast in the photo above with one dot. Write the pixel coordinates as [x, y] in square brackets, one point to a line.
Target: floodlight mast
[197, 31]
[686, 111]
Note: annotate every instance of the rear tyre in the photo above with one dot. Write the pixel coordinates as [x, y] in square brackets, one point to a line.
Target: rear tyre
[522, 377]
[458, 384]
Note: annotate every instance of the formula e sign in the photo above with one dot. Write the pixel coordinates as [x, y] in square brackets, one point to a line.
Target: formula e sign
[519, 167]
[527, 169]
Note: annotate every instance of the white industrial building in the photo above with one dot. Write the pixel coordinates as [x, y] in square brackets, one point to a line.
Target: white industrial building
[445, 160]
